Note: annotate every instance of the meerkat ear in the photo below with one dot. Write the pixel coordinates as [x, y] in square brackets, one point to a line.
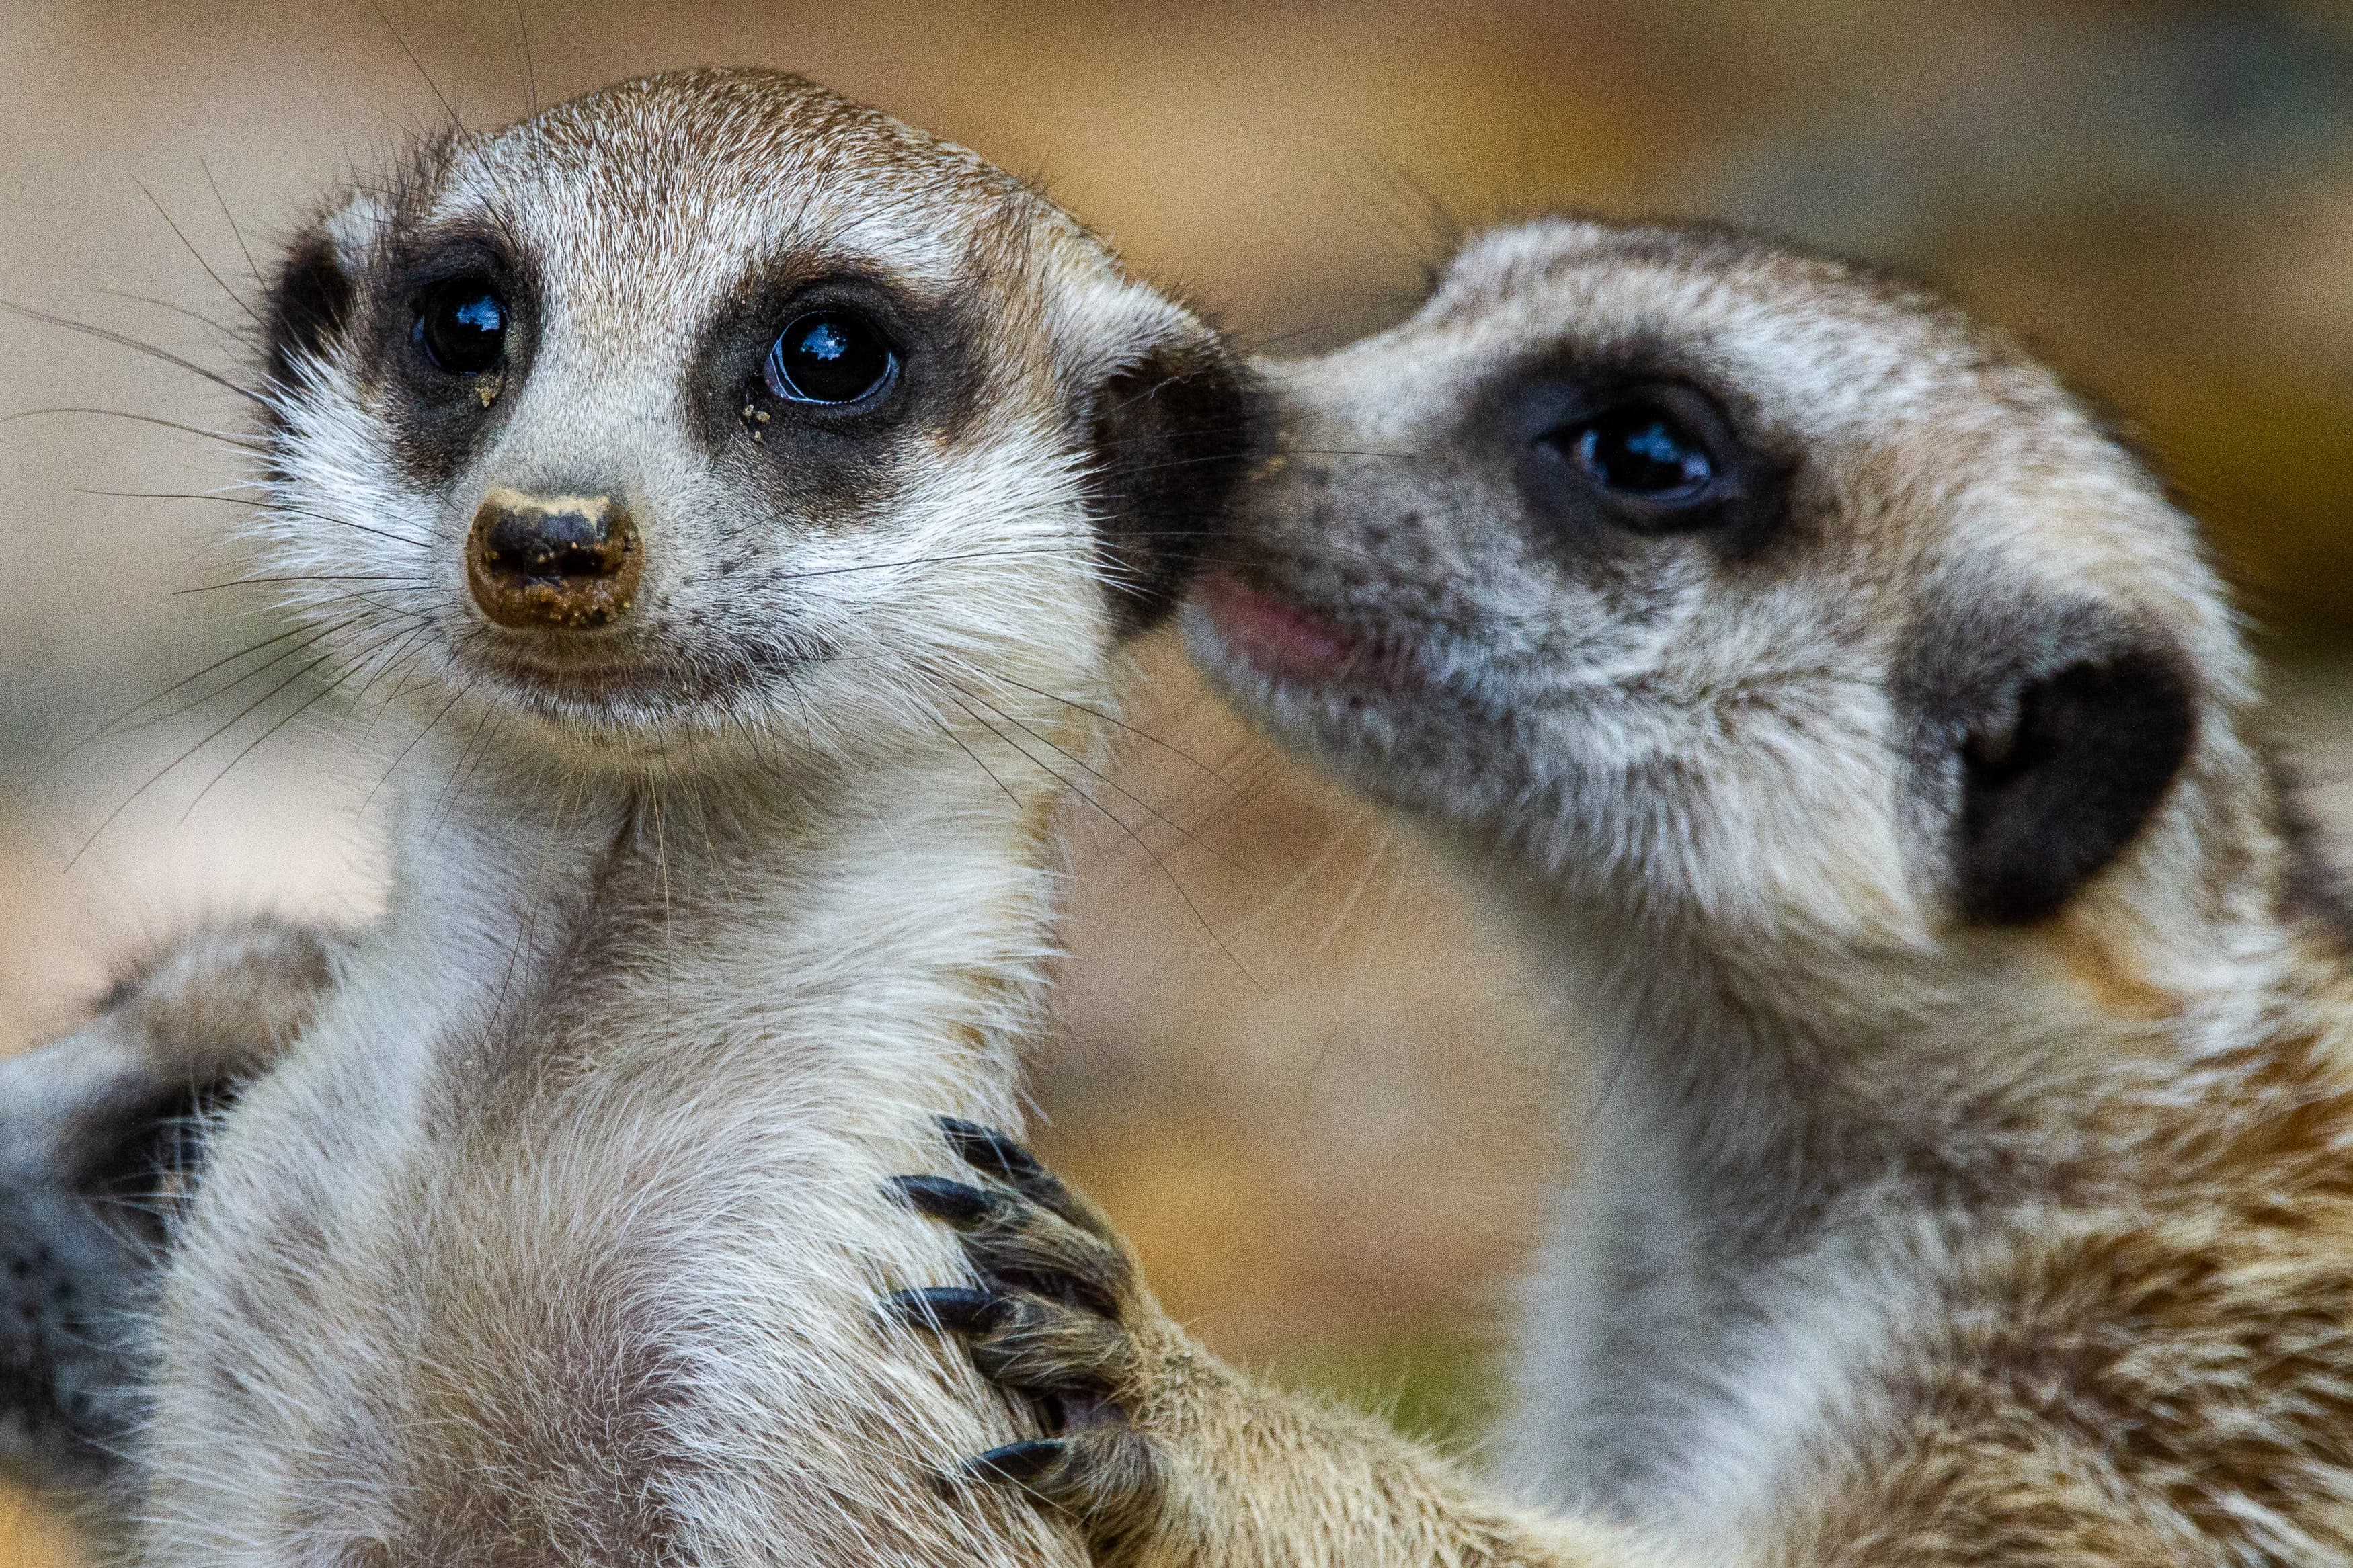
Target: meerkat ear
[2060, 770]
[1173, 429]
[311, 297]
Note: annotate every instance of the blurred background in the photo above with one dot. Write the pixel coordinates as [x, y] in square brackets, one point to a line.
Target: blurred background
[1288, 1058]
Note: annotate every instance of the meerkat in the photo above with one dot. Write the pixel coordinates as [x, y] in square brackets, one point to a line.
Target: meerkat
[1865, 748]
[101, 1134]
[740, 499]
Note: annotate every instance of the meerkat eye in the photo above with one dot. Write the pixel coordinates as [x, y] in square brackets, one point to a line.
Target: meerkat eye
[461, 326]
[1644, 450]
[831, 357]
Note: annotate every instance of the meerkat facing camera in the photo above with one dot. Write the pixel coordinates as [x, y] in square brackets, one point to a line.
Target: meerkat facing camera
[743, 497]
[1867, 750]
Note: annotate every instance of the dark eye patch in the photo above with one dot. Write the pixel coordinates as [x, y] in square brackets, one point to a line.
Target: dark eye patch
[457, 315]
[1611, 448]
[815, 376]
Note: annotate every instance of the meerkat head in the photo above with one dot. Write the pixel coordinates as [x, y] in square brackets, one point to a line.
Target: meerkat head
[711, 413]
[1720, 582]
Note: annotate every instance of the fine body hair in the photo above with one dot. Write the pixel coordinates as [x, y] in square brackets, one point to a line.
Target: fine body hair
[1863, 747]
[737, 504]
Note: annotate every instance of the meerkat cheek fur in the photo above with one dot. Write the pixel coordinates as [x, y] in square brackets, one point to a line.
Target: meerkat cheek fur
[739, 500]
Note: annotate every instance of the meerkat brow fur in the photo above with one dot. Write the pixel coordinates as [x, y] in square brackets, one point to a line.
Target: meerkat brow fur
[740, 499]
[1866, 752]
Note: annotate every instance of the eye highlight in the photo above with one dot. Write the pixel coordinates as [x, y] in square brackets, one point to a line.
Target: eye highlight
[832, 358]
[1642, 450]
[461, 326]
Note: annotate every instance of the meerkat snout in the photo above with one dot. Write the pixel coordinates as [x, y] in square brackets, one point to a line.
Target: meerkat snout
[566, 562]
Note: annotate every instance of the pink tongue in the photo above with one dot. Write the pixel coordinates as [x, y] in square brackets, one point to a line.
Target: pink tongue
[1274, 634]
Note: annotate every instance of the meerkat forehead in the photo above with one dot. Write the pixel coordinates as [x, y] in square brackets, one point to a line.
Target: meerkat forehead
[640, 210]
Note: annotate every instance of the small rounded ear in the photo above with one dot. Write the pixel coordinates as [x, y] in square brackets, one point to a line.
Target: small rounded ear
[310, 298]
[1172, 434]
[2059, 773]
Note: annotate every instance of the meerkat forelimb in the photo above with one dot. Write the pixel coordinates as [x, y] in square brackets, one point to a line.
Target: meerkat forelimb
[1861, 743]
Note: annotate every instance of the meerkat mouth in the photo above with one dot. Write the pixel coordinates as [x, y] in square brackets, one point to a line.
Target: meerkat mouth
[604, 689]
[1281, 639]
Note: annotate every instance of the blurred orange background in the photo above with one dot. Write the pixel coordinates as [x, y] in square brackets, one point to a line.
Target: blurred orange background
[1287, 1059]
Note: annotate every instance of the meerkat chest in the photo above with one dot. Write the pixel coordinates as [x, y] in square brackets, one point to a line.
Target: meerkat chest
[587, 1252]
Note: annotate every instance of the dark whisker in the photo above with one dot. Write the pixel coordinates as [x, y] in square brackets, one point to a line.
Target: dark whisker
[235, 298]
[230, 218]
[530, 75]
[241, 443]
[1119, 723]
[222, 329]
[324, 578]
[413, 742]
[1159, 816]
[167, 768]
[314, 700]
[170, 494]
[129, 727]
[1073, 785]
[120, 721]
[447, 107]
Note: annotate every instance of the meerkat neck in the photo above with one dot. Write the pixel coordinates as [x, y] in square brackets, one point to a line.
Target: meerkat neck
[2043, 1063]
[902, 913]
[1757, 1137]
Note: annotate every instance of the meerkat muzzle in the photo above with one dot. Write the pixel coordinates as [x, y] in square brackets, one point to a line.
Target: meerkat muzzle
[564, 562]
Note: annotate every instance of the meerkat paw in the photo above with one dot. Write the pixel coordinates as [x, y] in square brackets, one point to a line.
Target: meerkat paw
[1162, 1456]
[1061, 1317]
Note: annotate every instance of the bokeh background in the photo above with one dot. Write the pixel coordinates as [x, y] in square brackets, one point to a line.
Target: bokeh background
[1288, 1058]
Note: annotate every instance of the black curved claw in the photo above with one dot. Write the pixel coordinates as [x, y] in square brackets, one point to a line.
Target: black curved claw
[957, 1203]
[949, 1309]
[986, 1149]
[1017, 1463]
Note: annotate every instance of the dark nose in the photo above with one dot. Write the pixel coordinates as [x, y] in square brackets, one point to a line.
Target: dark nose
[564, 562]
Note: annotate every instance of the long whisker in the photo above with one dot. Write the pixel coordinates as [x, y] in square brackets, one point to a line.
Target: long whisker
[1163, 817]
[1073, 786]
[241, 443]
[222, 329]
[412, 745]
[447, 107]
[171, 495]
[109, 726]
[167, 770]
[129, 726]
[124, 340]
[1118, 724]
[251, 746]
[178, 233]
[530, 75]
[230, 218]
[409, 577]
[460, 772]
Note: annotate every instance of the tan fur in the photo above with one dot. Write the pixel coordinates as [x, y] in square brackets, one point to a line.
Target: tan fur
[556, 1234]
[1909, 1235]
